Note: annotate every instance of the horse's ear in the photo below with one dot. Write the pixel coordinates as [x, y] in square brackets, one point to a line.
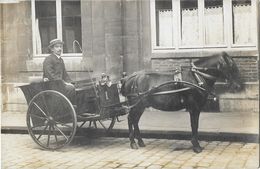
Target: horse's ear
[124, 74]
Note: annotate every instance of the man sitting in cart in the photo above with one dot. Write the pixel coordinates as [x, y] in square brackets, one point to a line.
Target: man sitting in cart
[54, 69]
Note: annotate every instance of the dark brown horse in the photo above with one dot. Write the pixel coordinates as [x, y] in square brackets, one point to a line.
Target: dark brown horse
[160, 91]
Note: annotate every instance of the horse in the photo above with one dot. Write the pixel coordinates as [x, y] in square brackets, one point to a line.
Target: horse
[162, 91]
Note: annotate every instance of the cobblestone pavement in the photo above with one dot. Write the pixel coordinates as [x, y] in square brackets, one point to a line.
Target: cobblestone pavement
[19, 151]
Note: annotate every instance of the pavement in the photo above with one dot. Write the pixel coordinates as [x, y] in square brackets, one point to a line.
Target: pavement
[229, 141]
[20, 152]
[230, 126]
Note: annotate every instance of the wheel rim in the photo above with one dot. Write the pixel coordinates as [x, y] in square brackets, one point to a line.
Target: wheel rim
[51, 120]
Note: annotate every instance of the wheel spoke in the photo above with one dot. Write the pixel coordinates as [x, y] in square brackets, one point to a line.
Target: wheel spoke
[40, 109]
[55, 135]
[44, 101]
[43, 131]
[102, 125]
[61, 132]
[39, 117]
[48, 141]
[83, 124]
[95, 124]
[35, 127]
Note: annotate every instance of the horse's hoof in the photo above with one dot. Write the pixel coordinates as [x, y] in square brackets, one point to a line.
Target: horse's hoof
[133, 145]
[197, 149]
[141, 144]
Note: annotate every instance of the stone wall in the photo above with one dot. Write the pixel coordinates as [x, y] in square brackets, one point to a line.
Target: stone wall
[15, 50]
[16, 41]
[102, 36]
[248, 67]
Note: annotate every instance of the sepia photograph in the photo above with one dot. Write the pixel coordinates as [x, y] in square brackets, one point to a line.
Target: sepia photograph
[129, 84]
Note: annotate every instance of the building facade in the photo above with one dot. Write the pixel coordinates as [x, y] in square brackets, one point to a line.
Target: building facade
[113, 36]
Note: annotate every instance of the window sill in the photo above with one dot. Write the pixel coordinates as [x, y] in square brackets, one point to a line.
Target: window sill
[196, 53]
[63, 55]
[73, 63]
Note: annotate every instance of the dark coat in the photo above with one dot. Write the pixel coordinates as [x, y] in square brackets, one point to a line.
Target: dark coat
[54, 69]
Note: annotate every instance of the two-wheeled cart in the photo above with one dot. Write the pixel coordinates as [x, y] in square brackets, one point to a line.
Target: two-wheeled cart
[52, 119]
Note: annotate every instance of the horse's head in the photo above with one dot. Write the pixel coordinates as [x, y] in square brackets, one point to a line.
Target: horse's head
[231, 73]
[224, 67]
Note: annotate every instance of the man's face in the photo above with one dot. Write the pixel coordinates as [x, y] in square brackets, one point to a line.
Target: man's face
[57, 49]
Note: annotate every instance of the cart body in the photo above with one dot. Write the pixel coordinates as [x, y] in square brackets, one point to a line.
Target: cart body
[52, 120]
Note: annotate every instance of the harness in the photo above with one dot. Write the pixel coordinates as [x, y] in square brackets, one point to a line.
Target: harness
[199, 75]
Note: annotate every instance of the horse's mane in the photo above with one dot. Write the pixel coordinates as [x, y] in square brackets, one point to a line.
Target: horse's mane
[203, 62]
[222, 58]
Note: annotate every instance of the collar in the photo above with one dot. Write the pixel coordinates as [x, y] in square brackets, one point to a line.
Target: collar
[58, 56]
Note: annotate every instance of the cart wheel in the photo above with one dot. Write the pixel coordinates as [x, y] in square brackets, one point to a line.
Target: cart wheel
[106, 124]
[51, 120]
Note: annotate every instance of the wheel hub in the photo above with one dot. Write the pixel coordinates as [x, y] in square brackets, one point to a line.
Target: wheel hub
[51, 120]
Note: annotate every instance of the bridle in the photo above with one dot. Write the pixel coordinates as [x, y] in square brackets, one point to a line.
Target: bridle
[199, 74]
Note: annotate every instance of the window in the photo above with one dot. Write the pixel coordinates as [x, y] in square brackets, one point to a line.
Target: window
[214, 22]
[203, 24]
[56, 19]
[164, 25]
[189, 15]
[243, 29]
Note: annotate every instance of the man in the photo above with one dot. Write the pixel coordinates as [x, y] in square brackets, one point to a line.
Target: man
[54, 69]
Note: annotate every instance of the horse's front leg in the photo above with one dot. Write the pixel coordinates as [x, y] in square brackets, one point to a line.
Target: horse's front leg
[133, 144]
[138, 113]
[194, 119]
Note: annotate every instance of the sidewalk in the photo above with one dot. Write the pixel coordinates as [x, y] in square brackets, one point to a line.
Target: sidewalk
[212, 123]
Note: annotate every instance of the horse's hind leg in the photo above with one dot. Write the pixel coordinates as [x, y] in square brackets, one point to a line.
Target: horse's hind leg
[138, 135]
[133, 144]
[194, 119]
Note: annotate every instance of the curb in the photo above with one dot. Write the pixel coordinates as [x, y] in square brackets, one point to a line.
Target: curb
[157, 134]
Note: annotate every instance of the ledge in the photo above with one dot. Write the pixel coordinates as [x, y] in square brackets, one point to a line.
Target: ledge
[198, 53]
[73, 64]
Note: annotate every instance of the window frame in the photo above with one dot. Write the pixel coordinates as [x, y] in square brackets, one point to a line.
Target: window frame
[59, 29]
[228, 29]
